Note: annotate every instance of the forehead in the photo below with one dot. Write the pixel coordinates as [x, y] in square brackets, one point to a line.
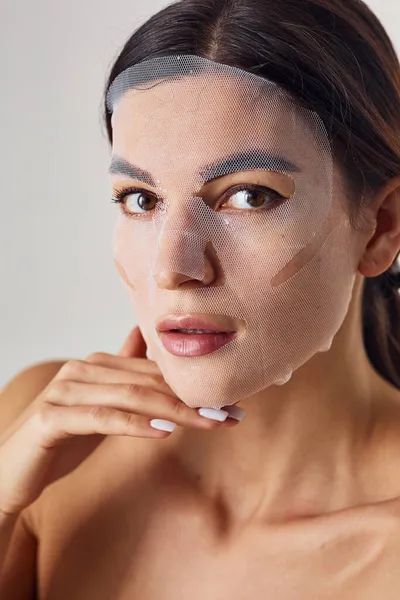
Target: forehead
[194, 119]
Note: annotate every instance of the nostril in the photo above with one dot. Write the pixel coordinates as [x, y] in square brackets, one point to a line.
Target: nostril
[170, 280]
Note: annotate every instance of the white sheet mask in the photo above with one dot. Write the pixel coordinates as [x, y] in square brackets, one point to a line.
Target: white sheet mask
[282, 270]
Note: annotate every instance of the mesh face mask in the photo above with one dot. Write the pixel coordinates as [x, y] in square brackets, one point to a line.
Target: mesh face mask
[281, 269]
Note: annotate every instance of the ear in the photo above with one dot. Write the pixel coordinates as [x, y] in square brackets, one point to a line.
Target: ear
[384, 245]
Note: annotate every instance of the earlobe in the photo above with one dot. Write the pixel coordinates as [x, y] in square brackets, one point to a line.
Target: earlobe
[384, 244]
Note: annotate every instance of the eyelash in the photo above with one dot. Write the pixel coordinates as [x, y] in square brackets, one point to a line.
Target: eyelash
[120, 195]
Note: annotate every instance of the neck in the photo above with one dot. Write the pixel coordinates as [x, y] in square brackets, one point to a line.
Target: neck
[301, 450]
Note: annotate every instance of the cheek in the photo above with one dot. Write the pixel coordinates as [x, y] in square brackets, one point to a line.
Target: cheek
[122, 273]
[315, 300]
[263, 257]
[308, 297]
[132, 251]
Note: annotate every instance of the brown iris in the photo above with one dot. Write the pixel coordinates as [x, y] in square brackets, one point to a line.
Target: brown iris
[146, 202]
[256, 198]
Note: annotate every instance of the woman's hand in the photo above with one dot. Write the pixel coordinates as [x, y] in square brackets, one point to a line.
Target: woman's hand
[104, 394]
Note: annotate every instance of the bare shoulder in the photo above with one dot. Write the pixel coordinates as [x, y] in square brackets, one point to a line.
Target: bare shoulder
[23, 388]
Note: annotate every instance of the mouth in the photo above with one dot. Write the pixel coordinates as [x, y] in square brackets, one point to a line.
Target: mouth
[193, 335]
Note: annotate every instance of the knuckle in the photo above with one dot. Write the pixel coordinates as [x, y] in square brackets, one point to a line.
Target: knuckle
[96, 357]
[58, 389]
[131, 390]
[45, 416]
[98, 413]
[158, 379]
[178, 407]
[73, 369]
[65, 371]
[155, 382]
[129, 419]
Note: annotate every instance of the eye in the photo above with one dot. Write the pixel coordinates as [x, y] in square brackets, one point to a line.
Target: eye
[134, 201]
[137, 203]
[252, 197]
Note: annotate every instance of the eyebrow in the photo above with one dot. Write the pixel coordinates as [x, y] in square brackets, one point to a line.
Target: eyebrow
[240, 161]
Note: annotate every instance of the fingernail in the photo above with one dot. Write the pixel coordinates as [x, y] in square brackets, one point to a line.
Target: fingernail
[162, 424]
[212, 413]
[235, 412]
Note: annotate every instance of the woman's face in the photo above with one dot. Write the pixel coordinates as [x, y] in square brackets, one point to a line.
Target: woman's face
[273, 261]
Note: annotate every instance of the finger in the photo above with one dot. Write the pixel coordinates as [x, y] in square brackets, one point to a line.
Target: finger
[134, 345]
[115, 361]
[88, 372]
[128, 397]
[55, 423]
[235, 412]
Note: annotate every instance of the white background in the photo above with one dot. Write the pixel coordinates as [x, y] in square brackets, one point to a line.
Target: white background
[60, 294]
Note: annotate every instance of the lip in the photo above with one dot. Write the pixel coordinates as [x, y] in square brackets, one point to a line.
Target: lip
[191, 322]
[183, 344]
[193, 344]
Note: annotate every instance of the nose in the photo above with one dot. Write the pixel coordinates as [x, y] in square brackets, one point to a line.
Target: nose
[184, 258]
[172, 280]
[185, 255]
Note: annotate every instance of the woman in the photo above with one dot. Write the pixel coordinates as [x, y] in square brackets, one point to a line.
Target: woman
[300, 499]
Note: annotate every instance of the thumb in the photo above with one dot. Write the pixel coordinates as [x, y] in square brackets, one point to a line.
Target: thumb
[134, 346]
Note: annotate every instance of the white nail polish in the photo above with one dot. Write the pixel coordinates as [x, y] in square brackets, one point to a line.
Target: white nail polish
[212, 413]
[162, 424]
[236, 413]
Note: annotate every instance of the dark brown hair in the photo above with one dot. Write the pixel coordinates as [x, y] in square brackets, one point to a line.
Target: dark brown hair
[332, 56]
